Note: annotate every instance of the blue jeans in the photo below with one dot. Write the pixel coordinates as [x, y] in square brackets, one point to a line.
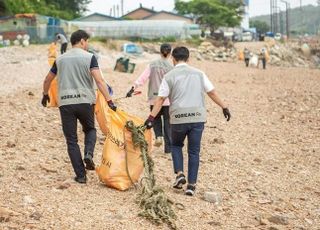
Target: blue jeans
[193, 131]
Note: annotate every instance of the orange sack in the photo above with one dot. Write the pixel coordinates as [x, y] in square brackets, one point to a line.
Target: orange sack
[53, 90]
[119, 157]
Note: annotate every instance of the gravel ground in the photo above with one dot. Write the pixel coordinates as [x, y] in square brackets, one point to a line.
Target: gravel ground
[264, 163]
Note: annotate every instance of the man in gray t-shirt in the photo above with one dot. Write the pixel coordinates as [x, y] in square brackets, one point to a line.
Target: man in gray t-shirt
[76, 72]
[185, 87]
[63, 41]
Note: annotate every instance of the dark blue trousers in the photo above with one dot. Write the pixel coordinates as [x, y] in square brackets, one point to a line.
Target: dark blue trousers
[193, 132]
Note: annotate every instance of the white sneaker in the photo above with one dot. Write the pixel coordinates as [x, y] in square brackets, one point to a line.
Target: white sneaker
[158, 142]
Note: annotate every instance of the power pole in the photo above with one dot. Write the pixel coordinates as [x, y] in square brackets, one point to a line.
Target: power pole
[271, 15]
[287, 18]
[122, 8]
[117, 11]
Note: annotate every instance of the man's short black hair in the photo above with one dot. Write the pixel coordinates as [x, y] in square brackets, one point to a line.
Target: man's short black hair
[78, 35]
[180, 53]
[165, 49]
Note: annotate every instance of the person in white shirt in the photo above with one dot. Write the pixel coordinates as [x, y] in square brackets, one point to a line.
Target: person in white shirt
[185, 87]
[63, 41]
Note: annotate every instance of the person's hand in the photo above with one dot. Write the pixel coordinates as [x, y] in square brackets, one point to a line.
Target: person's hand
[111, 105]
[129, 94]
[226, 113]
[149, 122]
[45, 100]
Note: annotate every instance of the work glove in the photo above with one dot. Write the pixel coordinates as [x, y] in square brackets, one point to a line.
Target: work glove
[226, 113]
[111, 105]
[149, 122]
[45, 100]
[131, 91]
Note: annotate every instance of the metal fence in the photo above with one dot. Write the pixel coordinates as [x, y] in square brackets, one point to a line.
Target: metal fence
[38, 34]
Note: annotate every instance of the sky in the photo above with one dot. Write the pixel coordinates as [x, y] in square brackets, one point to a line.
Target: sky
[256, 7]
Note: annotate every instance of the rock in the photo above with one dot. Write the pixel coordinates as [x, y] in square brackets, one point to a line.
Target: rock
[5, 214]
[11, 144]
[214, 223]
[273, 228]
[27, 200]
[217, 141]
[266, 201]
[20, 168]
[258, 160]
[65, 185]
[36, 215]
[48, 169]
[279, 219]
[31, 93]
[212, 197]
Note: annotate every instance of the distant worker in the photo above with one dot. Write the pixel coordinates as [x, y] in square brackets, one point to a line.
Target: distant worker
[263, 55]
[246, 54]
[63, 41]
[154, 73]
[76, 72]
[185, 87]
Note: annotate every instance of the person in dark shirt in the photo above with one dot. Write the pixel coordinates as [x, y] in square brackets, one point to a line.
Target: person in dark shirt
[76, 72]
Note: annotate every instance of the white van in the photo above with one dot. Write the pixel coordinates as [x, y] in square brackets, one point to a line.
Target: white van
[247, 36]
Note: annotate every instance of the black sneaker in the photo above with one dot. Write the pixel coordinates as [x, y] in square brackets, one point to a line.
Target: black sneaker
[180, 181]
[88, 161]
[81, 180]
[191, 189]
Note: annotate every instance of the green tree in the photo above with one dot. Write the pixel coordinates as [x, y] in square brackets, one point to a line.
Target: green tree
[213, 13]
[57, 8]
[262, 27]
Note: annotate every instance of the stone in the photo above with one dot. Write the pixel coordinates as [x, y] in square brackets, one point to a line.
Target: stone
[64, 185]
[20, 168]
[48, 169]
[36, 215]
[11, 144]
[5, 214]
[279, 219]
[213, 197]
[214, 223]
[273, 228]
[27, 200]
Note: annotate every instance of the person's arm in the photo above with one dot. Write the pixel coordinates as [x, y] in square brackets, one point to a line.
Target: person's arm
[209, 88]
[47, 81]
[50, 76]
[142, 79]
[162, 95]
[96, 74]
[214, 97]
[46, 84]
[102, 86]
[157, 106]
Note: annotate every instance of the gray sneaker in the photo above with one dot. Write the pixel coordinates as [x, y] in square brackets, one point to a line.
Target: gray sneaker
[158, 142]
[180, 181]
[191, 189]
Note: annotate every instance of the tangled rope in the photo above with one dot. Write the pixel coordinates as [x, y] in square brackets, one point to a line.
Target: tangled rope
[155, 205]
